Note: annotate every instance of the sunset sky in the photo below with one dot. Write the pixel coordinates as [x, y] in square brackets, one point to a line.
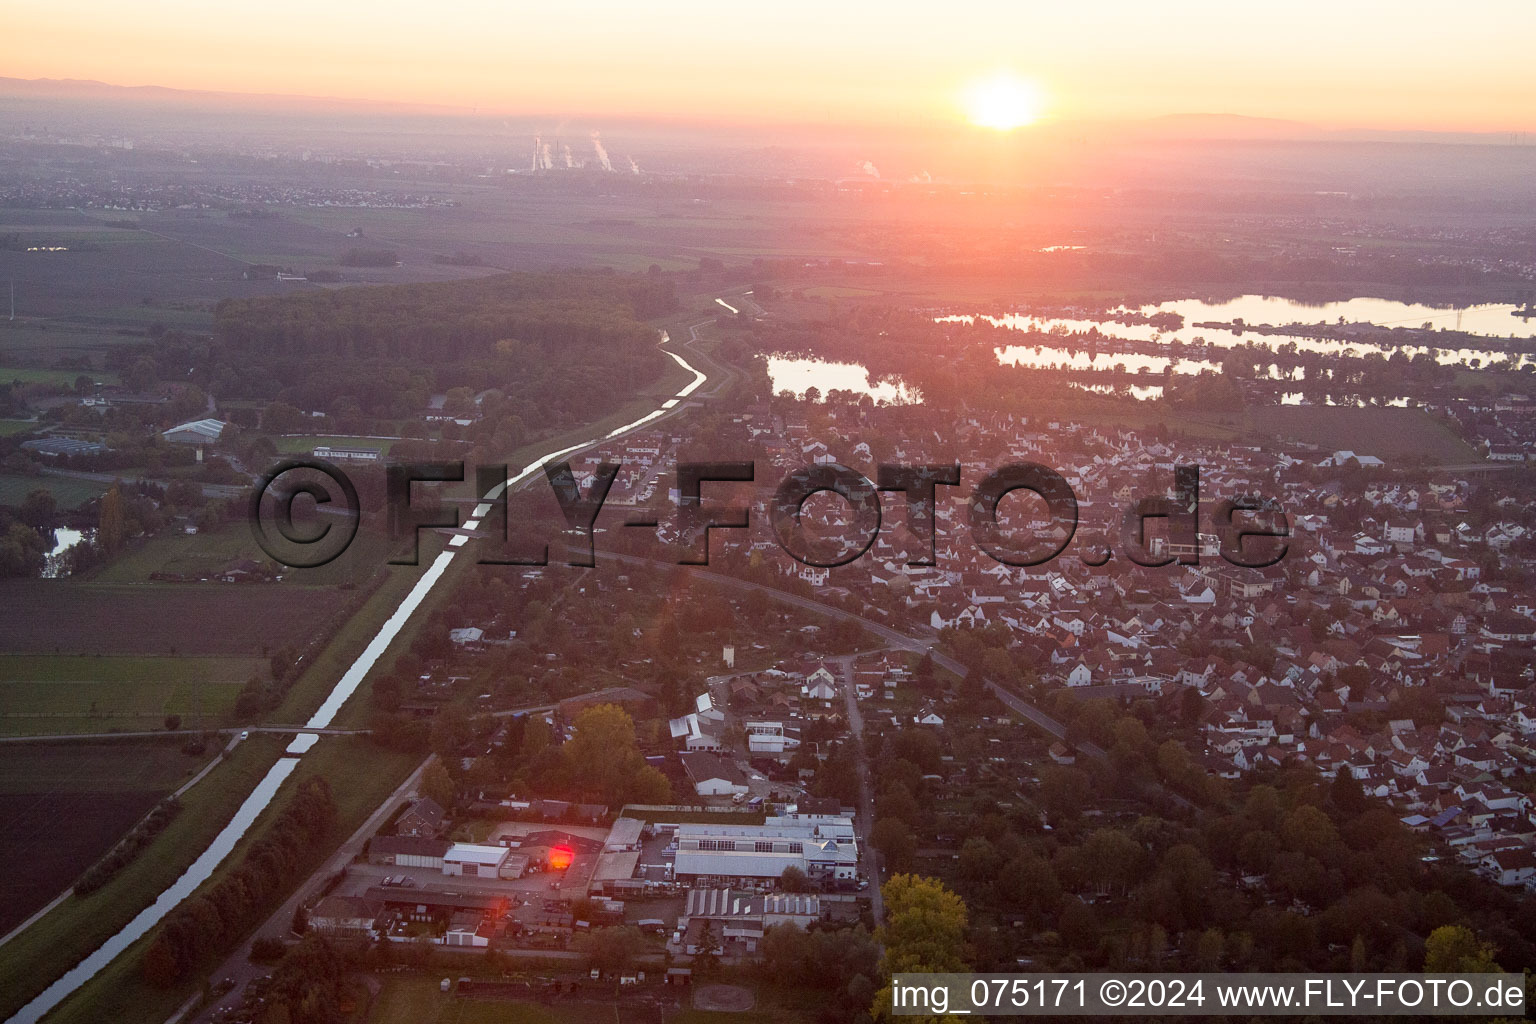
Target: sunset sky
[1399, 64]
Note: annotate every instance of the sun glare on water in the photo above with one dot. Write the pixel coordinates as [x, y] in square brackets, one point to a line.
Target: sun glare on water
[1003, 102]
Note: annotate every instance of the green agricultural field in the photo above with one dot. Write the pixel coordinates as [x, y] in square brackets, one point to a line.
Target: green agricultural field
[832, 291]
[190, 555]
[9, 427]
[418, 1000]
[68, 491]
[40, 375]
[29, 343]
[202, 554]
[17, 219]
[101, 767]
[49, 694]
[78, 238]
[107, 272]
[186, 317]
[1395, 435]
[638, 262]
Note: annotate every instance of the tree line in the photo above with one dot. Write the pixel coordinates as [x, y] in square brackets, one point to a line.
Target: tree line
[204, 924]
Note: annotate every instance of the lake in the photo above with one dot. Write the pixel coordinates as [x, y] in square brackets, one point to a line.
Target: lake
[1046, 357]
[1490, 320]
[797, 376]
[64, 538]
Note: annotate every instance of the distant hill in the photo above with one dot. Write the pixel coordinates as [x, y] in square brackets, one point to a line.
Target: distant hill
[77, 89]
[1230, 126]
[19, 93]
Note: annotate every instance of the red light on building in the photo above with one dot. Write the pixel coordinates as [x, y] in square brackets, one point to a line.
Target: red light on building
[560, 857]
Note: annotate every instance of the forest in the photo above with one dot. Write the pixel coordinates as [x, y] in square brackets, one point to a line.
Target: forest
[551, 350]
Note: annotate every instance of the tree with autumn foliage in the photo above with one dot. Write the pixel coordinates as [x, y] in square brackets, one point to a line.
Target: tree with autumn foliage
[111, 528]
[924, 932]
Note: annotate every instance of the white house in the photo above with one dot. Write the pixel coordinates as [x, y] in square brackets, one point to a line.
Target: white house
[819, 685]
[815, 575]
[712, 775]
[345, 916]
[769, 738]
[696, 733]
[1510, 867]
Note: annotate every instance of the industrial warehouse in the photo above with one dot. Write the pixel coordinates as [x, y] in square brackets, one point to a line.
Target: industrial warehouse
[539, 883]
[824, 848]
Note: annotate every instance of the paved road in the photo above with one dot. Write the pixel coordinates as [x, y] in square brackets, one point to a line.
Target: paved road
[721, 376]
[866, 815]
[238, 966]
[748, 303]
[920, 643]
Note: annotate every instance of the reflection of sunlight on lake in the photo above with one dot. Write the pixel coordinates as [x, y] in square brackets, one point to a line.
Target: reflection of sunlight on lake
[1298, 398]
[1133, 362]
[798, 375]
[1140, 392]
[1492, 320]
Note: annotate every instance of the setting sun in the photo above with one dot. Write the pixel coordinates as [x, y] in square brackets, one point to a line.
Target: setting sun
[1003, 101]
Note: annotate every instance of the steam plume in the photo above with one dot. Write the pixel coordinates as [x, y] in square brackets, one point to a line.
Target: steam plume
[602, 154]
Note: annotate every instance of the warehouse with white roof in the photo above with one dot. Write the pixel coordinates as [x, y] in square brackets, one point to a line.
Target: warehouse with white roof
[755, 854]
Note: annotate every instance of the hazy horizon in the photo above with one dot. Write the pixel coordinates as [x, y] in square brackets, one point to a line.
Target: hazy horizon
[1367, 67]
